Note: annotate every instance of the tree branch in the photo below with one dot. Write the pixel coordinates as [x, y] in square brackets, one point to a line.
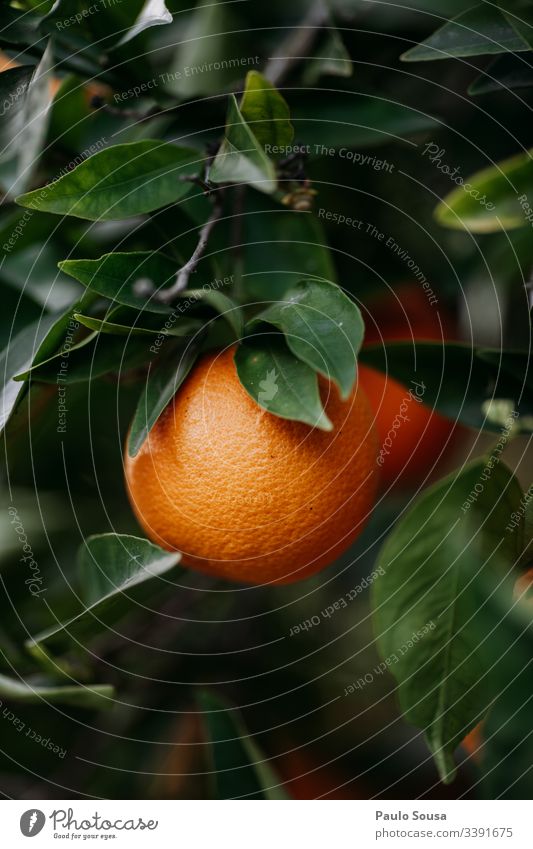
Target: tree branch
[182, 277]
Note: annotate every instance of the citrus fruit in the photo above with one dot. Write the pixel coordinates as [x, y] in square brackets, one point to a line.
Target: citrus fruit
[411, 434]
[244, 494]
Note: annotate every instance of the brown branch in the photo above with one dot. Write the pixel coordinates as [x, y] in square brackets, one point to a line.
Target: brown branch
[182, 277]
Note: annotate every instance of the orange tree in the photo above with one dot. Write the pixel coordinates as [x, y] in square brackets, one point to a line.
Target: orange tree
[190, 185]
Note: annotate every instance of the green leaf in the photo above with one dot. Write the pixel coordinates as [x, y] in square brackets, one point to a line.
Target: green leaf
[505, 72]
[211, 54]
[353, 120]
[507, 740]
[116, 276]
[239, 768]
[13, 87]
[26, 128]
[34, 344]
[118, 573]
[221, 303]
[330, 59]
[426, 613]
[85, 696]
[161, 385]
[322, 327]
[497, 198]
[240, 158]
[483, 29]
[279, 382]
[153, 13]
[119, 182]
[266, 112]
[185, 327]
[280, 247]
[93, 357]
[458, 380]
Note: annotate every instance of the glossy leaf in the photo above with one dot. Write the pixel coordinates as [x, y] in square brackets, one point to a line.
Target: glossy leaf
[162, 383]
[221, 303]
[153, 13]
[119, 182]
[116, 276]
[426, 613]
[279, 382]
[322, 327]
[493, 199]
[266, 112]
[239, 768]
[457, 381]
[83, 695]
[118, 573]
[240, 158]
[483, 29]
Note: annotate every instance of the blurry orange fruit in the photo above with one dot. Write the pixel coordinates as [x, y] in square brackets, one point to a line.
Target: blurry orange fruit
[411, 434]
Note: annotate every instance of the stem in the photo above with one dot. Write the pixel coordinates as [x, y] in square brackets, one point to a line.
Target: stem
[182, 277]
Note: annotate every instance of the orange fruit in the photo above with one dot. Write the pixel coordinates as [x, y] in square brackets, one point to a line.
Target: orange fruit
[411, 434]
[244, 494]
[305, 778]
[473, 741]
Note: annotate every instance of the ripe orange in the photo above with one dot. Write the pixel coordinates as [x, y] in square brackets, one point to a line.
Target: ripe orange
[411, 434]
[244, 494]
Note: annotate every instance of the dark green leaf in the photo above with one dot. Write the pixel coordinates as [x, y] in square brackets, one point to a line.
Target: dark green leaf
[116, 276]
[161, 385]
[330, 59]
[32, 345]
[280, 247]
[82, 695]
[26, 126]
[483, 29]
[211, 53]
[185, 327]
[221, 303]
[505, 72]
[266, 112]
[279, 382]
[322, 327]
[94, 356]
[507, 748]
[118, 573]
[119, 182]
[498, 197]
[153, 13]
[240, 158]
[239, 768]
[426, 612]
[354, 120]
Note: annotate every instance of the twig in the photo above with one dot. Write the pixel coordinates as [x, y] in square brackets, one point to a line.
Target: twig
[298, 44]
[182, 277]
